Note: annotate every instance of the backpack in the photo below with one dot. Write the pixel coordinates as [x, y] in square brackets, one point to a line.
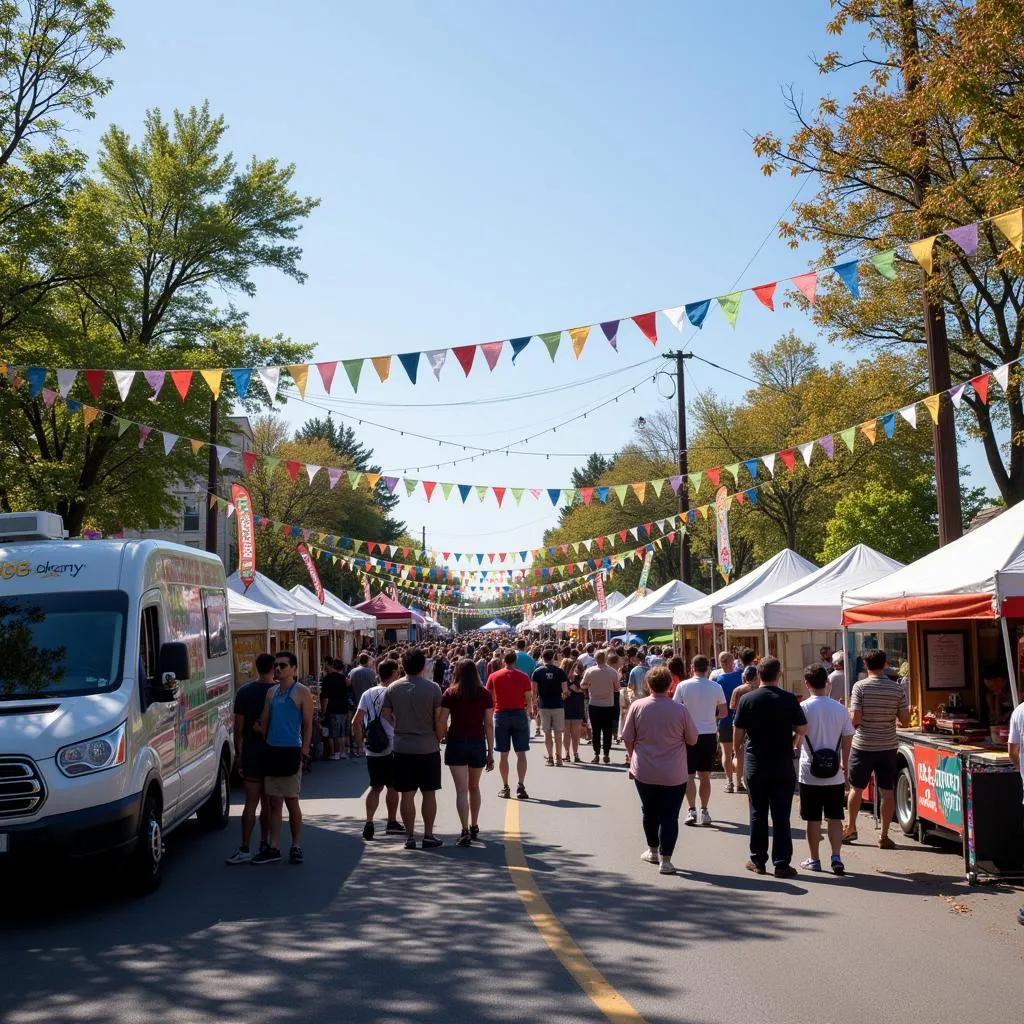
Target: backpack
[824, 763]
[376, 736]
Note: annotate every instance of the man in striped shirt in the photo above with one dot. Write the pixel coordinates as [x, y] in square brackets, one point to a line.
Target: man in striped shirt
[877, 704]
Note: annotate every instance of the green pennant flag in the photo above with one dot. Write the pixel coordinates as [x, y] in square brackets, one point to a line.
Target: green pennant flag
[569, 494]
[517, 493]
[410, 485]
[657, 486]
[481, 491]
[848, 436]
[730, 306]
[575, 545]
[272, 462]
[357, 546]
[733, 470]
[122, 426]
[353, 367]
[446, 490]
[695, 481]
[620, 492]
[611, 539]
[884, 262]
[354, 476]
[552, 340]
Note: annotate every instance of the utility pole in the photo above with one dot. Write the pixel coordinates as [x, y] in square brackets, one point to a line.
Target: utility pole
[947, 470]
[685, 573]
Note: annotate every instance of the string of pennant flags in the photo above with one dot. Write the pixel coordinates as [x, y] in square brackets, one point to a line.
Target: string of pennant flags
[247, 461]
[1009, 224]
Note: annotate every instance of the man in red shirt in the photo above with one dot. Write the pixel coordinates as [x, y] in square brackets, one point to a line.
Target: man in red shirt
[512, 691]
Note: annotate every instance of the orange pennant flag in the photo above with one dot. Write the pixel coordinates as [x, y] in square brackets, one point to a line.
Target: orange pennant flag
[196, 445]
[372, 479]
[924, 252]
[89, 414]
[869, 430]
[212, 378]
[931, 403]
[579, 339]
[640, 489]
[182, 381]
[382, 364]
[300, 374]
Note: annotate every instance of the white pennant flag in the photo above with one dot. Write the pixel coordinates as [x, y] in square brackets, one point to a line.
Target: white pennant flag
[65, 379]
[270, 375]
[436, 360]
[123, 379]
[311, 471]
[222, 453]
[769, 461]
[1002, 375]
[635, 531]
[909, 413]
[957, 394]
[676, 316]
[805, 450]
[169, 442]
[231, 510]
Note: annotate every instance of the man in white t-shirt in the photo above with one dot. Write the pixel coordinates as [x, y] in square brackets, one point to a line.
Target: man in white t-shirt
[380, 764]
[1016, 742]
[586, 659]
[829, 729]
[705, 700]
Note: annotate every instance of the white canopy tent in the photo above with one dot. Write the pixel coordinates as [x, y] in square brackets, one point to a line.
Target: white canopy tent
[551, 619]
[267, 592]
[495, 626]
[614, 599]
[574, 619]
[654, 612]
[345, 618]
[247, 615]
[614, 618]
[779, 570]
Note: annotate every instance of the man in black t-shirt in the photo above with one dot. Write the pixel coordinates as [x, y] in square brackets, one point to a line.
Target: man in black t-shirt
[249, 750]
[334, 708]
[769, 721]
[550, 688]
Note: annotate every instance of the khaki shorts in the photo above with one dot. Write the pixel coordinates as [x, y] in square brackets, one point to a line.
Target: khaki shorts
[552, 719]
[283, 785]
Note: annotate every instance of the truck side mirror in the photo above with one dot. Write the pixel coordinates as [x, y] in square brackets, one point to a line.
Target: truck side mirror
[171, 668]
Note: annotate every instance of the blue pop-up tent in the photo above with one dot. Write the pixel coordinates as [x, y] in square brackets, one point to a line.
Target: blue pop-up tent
[495, 626]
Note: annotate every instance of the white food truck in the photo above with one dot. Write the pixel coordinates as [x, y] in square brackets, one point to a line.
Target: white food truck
[116, 693]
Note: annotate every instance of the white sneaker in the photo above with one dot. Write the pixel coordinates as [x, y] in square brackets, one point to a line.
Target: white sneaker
[691, 816]
[343, 757]
[705, 818]
[335, 757]
[649, 856]
[667, 868]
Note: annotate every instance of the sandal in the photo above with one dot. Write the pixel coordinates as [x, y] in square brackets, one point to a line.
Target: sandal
[885, 843]
[849, 835]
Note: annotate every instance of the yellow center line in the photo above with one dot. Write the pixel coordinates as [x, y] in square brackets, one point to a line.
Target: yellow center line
[600, 991]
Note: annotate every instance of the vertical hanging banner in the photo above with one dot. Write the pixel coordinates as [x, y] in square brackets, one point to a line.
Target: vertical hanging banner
[366, 589]
[246, 534]
[602, 601]
[307, 558]
[641, 588]
[722, 521]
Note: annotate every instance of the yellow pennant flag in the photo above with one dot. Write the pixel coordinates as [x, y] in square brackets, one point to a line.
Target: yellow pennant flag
[382, 364]
[213, 500]
[931, 403]
[640, 489]
[89, 414]
[579, 339]
[869, 430]
[371, 480]
[924, 252]
[1012, 225]
[212, 378]
[196, 445]
[703, 510]
[300, 374]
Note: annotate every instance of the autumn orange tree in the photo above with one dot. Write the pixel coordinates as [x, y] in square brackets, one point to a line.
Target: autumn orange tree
[932, 139]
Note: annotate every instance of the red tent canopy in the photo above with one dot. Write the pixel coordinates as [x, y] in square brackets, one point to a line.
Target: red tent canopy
[386, 611]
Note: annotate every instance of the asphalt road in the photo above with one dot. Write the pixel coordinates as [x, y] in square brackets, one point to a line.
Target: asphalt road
[371, 932]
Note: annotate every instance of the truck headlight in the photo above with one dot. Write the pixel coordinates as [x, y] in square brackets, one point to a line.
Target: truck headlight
[95, 755]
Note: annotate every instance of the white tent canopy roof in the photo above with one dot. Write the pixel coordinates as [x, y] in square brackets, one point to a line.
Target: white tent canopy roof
[334, 605]
[611, 618]
[615, 600]
[267, 592]
[815, 601]
[309, 601]
[552, 617]
[571, 620]
[655, 610]
[245, 615]
[780, 569]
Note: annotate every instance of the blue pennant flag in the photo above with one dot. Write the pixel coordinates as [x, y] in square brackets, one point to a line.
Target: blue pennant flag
[518, 344]
[697, 311]
[889, 423]
[72, 405]
[601, 493]
[752, 495]
[848, 273]
[36, 376]
[242, 378]
[464, 490]
[411, 363]
[554, 493]
[479, 559]
[751, 467]
[523, 554]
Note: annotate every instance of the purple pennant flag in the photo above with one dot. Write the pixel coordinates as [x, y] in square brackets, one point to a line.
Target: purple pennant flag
[155, 379]
[49, 397]
[675, 482]
[966, 237]
[611, 330]
[827, 445]
[143, 434]
[334, 475]
[306, 534]
[391, 482]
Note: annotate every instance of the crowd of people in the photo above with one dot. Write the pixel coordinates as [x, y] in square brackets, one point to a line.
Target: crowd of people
[483, 702]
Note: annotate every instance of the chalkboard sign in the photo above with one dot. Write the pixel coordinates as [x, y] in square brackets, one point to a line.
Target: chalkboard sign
[945, 660]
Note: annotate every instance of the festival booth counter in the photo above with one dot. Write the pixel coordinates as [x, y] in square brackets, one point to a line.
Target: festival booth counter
[394, 622]
[340, 640]
[252, 626]
[699, 626]
[963, 608]
[797, 620]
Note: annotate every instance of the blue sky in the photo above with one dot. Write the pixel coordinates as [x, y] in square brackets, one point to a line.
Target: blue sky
[495, 170]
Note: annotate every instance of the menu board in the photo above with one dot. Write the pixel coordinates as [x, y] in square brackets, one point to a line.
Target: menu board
[945, 660]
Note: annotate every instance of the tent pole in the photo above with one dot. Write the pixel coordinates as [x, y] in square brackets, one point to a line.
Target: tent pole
[1011, 662]
[767, 652]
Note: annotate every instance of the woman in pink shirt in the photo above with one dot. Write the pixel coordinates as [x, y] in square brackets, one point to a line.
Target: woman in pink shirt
[656, 734]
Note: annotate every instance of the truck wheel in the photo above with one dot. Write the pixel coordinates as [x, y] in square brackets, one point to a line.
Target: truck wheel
[906, 800]
[214, 814]
[147, 863]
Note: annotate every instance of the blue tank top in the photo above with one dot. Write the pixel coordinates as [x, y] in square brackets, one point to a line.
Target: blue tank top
[285, 720]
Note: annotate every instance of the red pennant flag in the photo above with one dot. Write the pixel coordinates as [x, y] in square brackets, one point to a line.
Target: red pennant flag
[446, 555]
[980, 385]
[371, 546]
[249, 461]
[405, 552]
[499, 494]
[501, 556]
[428, 488]
[327, 374]
[788, 458]
[491, 351]
[182, 381]
[600, 543]
[94, 378]
[671, 537]
[465, 355]
[714, 475]
[739, 497]
[286, 530]
[622, 536]
[645, 321]
[490, 557]
[293, 468]
[766, 295]
[587, 494]
[808, 284]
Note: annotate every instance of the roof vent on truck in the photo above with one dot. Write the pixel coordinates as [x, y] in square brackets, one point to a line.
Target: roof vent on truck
[16, 526]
